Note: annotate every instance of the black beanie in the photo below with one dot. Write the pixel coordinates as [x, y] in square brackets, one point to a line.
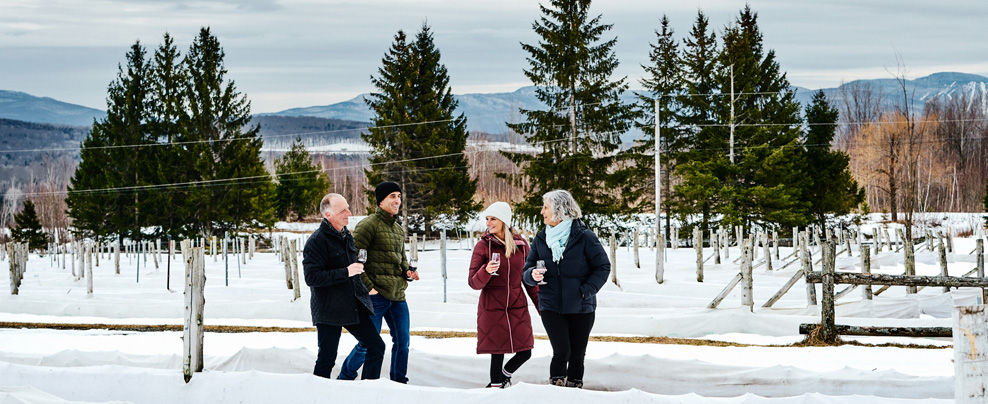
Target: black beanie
[384, 189]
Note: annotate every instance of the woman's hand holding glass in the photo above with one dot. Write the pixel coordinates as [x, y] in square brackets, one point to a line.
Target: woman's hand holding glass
[539, 272]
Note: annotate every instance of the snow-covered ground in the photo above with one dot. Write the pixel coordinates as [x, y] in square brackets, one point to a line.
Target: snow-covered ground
[53, 366]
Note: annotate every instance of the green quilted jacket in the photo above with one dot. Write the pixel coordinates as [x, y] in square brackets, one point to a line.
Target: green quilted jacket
[381, 235]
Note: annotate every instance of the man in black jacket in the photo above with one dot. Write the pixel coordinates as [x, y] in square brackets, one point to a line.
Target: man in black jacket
[339, 298]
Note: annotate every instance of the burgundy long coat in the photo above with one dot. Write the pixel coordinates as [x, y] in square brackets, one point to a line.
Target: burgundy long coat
[503, 323]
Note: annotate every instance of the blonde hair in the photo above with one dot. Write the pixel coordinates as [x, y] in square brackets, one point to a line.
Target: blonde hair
[509, 242]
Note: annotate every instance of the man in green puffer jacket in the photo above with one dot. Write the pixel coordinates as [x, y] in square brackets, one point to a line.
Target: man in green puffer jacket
[386, 275]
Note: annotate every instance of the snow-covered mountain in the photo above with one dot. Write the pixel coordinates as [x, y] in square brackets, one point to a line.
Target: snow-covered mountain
[488, 112]
[29, 108]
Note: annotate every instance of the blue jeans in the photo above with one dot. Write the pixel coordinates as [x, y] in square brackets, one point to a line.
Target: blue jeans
[329, 340]
[396, 314]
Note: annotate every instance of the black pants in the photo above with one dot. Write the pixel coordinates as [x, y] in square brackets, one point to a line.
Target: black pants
[497, 364]
[569, 335]
[329, 342]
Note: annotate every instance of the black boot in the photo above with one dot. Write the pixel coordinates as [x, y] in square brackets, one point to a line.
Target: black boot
[506, 382]
[557, 381]
[575, 383]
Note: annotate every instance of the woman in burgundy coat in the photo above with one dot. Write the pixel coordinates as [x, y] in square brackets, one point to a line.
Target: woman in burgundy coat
[503, 323]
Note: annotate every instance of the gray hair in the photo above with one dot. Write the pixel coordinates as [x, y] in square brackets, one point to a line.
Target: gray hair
[562, 204]
[327, 202]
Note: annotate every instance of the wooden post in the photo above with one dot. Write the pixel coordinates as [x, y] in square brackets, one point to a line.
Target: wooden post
[942, 252]
[775, 243]
[89, 271]
[614, 277]
[747, 299]
[888, 239]
[723, 294]
[847, 240]
[950, 240]
[768, 251]
[195, 280]
[971, 354]
[442, 260]
[726, 242]
[715, 245]
[980, 259]
[807, 267]
[660, 254]
[294, 260]
[698, 246]
[287, 262]
[910, 262]
[635, 242]
[828, 320]
[876, 240]
[865, 269]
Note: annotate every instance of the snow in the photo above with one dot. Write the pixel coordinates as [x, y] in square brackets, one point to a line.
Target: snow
[104, 366]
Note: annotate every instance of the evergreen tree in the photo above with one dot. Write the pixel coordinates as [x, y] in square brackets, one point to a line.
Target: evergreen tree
[28, 228]
[832, 188]
[301, 183]
[697, 192]
[417, 140]
[579, 132]
[761, 181]
[168, 205]
[388, 137]
[235, 189]
[104, 195]
[664, 82]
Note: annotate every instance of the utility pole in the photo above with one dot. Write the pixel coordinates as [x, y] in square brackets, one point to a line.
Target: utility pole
[660, 240]
[732, 115]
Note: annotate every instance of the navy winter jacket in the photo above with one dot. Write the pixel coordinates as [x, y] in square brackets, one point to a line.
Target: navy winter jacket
[337, 298]
[572, 283]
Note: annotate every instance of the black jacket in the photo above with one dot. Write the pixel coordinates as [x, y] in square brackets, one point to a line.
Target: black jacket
[572, 283]
[336, 298]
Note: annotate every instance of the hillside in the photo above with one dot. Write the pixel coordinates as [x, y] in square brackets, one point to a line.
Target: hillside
[26, 107]
[42, 141]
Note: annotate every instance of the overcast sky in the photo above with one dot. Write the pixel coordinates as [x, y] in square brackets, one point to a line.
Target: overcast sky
[296, 53]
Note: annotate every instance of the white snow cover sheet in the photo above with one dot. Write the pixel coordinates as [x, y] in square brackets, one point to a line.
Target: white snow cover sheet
[51, 366]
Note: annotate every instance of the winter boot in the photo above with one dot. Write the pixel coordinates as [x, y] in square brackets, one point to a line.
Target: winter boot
[557, 381]
[575, 383]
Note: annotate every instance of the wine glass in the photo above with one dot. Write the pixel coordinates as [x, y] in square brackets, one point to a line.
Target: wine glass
[540, 266]
[413, 264]
[361, 255]
[496, 259]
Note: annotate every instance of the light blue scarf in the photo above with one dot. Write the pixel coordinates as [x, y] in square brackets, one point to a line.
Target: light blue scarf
[556, 237]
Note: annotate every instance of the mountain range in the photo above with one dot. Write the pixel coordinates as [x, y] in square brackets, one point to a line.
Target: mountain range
[489, 112]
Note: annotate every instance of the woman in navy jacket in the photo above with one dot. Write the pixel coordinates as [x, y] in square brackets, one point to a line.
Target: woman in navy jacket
[576, 268]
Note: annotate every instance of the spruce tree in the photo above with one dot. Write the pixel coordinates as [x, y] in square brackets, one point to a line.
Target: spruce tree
[301, 183]
[104, 195]
[27, 228]
[389, 137]
[832, 189]
[416, 138]
[235, 189]
[761, 178]
[697, 192]
[663, 82]
[578, 134]
[168, 205]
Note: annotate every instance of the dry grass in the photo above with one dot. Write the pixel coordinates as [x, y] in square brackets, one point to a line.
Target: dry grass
[810, 340]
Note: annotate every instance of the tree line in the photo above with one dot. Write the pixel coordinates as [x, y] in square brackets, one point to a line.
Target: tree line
[176, 155]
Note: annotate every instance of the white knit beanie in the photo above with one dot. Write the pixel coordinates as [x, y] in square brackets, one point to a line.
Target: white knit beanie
[500, 210]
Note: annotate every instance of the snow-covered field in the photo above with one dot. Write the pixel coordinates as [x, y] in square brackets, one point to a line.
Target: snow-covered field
[53, 366]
